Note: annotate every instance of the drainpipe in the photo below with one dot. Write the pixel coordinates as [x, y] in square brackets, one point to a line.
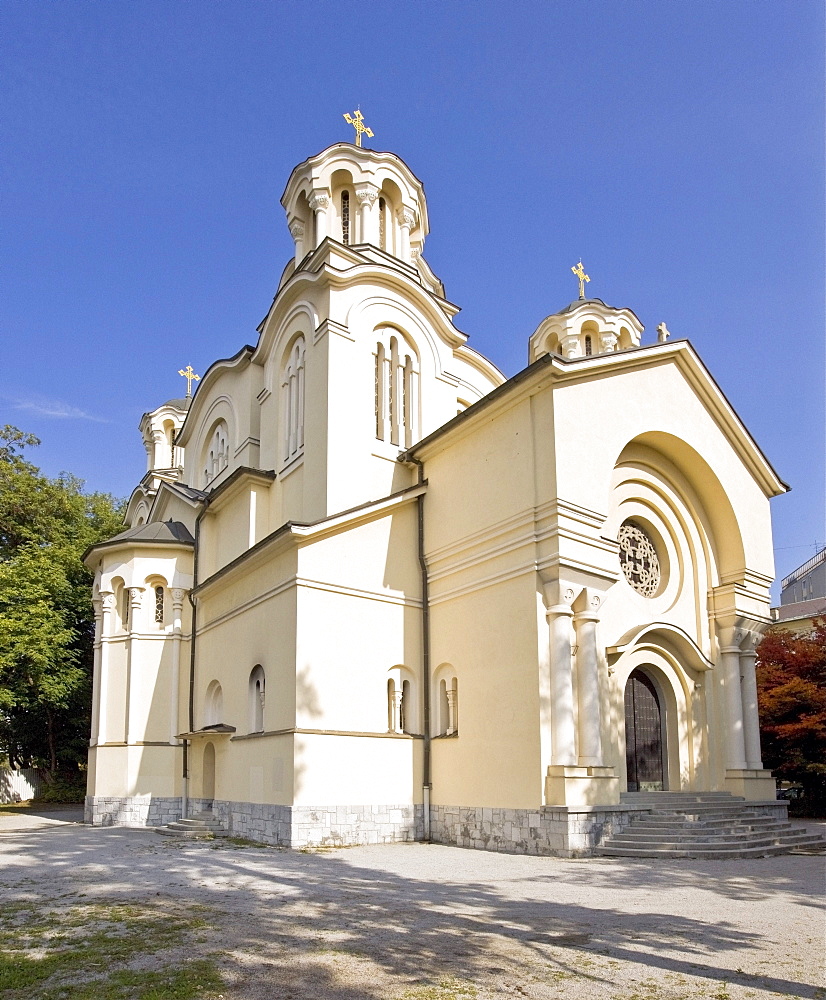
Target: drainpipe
[193, 630]
[426, 777]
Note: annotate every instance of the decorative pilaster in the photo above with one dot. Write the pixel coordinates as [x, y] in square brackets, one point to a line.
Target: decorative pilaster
[108, 606]
[97, 605]
[135, 595]
[319, 203]
[559, 617]
[587, 672]
[368, 224]
[178, 596]
[748, 687]
[730, 655]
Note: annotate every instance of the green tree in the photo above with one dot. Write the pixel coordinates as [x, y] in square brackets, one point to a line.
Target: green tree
[791, 683]
[46, 619]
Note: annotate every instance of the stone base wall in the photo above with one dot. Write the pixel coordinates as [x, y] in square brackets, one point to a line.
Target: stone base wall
[285, 826]
[131, 810]
[565, 832]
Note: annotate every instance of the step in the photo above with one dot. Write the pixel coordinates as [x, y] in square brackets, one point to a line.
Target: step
[721, 854]
[678, 843]
[730, 829]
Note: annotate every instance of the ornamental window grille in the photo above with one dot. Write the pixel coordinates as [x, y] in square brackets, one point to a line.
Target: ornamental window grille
[382, 230]
[345, 217]
[159, 605]
[638, 559]
[588, 346]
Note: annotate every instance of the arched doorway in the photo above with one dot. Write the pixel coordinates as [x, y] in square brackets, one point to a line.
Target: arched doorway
[209, 772]
[644, 745]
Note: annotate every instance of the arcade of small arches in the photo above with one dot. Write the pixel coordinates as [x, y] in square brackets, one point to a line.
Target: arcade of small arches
[153, 605]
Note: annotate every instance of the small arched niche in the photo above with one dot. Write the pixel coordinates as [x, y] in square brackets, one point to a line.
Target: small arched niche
[257, 694]
[213, 704]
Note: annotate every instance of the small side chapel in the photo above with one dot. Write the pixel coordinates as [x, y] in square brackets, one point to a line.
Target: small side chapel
[372, 590]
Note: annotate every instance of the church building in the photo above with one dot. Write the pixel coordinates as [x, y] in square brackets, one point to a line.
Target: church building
[372, 590]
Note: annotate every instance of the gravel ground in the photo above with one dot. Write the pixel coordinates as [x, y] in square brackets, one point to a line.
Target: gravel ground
[426, 922]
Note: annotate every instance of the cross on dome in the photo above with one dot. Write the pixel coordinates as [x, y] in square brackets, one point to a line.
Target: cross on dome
[190, 377]
[357, 121]
[579, 271]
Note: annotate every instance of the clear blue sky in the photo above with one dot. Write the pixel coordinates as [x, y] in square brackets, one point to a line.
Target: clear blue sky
[677, 147]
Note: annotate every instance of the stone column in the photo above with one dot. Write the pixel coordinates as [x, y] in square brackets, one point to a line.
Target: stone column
[748, 687]
[587, 673]
[297, 233]
[174, 694]
[406, 218]
[562, 691]
[368, 224]
[730, 654]
[108, 606]
[319, 203]
[608, 342]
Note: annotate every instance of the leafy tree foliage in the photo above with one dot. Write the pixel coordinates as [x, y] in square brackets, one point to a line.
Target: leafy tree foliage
[791, 681]
[46, 619]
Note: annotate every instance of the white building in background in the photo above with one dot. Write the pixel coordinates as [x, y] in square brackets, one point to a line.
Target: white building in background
[372, 590]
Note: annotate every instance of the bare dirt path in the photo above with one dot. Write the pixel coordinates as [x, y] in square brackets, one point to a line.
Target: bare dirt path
[424, 922]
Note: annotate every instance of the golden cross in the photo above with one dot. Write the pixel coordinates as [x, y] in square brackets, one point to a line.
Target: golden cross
[357, 121]
[579, 271]
[190, 377]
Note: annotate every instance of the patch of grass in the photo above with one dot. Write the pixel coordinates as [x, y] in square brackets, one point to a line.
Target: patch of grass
[53, 950]
[446, 989]
[200, 979]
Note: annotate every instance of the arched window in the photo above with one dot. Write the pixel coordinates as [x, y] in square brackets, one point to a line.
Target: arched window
[393, 698]
[345, 218]
[448, 718]
[588, 345]
[159, 605]
[397, 389]
[382, 224]
[124, 608]
[217, 458]
[292, 391]
[256, 699]
[213, 704]
[406, 709]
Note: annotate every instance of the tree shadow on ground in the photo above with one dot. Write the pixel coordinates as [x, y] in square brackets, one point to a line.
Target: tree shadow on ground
[294, 920]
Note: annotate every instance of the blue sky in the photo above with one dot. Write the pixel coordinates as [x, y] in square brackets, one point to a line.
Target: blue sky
[677, 147]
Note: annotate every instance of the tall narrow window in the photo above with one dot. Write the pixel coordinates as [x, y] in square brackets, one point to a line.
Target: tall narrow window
[380, 391]
[588, 345]
[292, 390]
[345, 217]
[159, 605]
[396, 390]
[382, 230]
[125, 609]
[257, 690]
[406, 709]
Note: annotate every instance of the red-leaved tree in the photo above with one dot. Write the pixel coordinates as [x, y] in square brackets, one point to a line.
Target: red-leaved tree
[791, 685]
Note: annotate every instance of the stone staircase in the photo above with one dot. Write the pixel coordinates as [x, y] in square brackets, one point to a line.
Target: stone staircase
[706, 825]
[201, 825]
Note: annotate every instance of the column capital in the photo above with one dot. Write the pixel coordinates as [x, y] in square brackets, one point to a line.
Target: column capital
[319, 200]
[366, 193]
[406, 216]
[296, 229]
[178, 596]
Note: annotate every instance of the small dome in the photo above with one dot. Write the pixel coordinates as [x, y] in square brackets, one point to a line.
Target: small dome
[586, 327]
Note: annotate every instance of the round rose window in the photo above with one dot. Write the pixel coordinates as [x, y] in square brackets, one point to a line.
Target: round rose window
[638, 559]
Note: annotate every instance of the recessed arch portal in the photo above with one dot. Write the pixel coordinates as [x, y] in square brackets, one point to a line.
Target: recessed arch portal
[645, 743]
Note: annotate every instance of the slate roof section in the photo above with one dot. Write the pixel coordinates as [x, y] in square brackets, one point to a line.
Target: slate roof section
[153, 533]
